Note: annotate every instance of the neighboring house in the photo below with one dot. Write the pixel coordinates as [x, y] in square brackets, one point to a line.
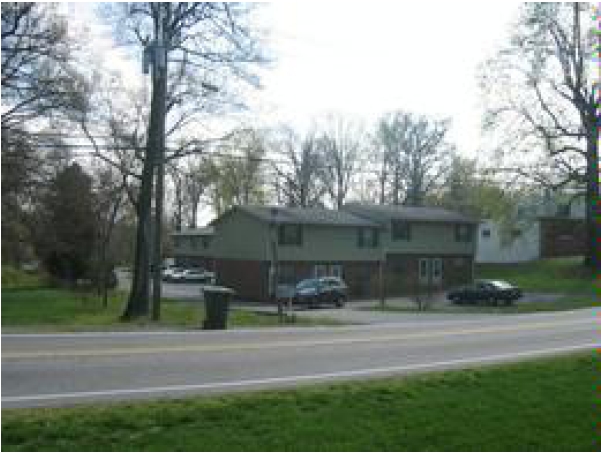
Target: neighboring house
[546, 230]
[190, 244]
[411, 248]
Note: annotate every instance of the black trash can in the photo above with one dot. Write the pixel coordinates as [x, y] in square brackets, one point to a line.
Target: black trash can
[217, 301]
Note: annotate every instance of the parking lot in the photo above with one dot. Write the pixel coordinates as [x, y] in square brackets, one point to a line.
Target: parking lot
[188, 291]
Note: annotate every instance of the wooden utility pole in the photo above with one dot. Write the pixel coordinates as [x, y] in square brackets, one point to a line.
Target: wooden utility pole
[159, 83]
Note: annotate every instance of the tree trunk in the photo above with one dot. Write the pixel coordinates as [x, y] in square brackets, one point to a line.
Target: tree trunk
[138, 301]
[161, 90]
[593, 207]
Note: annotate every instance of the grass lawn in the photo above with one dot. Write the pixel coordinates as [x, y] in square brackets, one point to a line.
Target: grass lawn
[558, 275]
[15, 278]
[59, 309]
[543, 405]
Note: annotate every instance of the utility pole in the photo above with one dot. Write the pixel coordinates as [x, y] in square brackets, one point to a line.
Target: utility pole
[273, 270]
[159, 83]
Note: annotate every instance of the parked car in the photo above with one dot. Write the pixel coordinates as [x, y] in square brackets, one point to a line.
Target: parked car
[487, 291]
[315, 291]
[197, 276]
[172, 273]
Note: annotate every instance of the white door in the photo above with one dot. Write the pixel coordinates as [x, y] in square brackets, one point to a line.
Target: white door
[424, 271]
[430, 271]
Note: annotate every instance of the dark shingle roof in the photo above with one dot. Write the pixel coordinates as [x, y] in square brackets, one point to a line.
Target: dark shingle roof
[384, 213]
[204, 231]
[307, 216]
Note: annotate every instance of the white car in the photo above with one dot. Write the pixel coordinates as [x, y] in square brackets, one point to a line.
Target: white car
[195, 276]
[172, 273]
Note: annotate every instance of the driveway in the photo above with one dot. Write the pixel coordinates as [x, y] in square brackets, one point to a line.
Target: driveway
[365, 311]
[186, 291]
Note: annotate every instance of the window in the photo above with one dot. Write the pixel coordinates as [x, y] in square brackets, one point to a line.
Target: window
[320, 270]
[205, 241]
[290, 235]
[486, 233]
[463, 233]
[437, 269]
[424, 270]
[368, 237]
[325, 270]
[401, 230]
[336, 270]
[563, 210]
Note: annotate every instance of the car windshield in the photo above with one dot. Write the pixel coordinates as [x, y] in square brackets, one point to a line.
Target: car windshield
[310, 283]
[501, 284]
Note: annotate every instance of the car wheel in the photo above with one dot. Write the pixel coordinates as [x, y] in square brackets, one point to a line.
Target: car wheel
[339, 302]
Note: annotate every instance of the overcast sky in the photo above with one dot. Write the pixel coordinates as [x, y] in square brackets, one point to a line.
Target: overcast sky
[369, 58]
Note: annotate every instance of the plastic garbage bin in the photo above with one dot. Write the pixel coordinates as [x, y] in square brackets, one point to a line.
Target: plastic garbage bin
[217, 301]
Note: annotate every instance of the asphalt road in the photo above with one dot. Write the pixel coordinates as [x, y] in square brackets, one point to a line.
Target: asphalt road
[65, 369]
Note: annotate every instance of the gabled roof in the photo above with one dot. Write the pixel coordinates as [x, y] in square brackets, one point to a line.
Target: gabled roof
[306, 216]
[385, 213]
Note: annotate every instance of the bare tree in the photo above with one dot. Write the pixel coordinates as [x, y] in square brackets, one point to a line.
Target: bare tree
[543, 90]
[191, 178]
[415, 156]
[37, 75]
[341, 142]
[110, 187]
[237, 171]
[298, 169]
[196, 50]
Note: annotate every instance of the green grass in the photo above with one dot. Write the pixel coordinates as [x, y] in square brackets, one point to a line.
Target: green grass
[559, 275]
[15, 278]
[60, 309]
[543, 405]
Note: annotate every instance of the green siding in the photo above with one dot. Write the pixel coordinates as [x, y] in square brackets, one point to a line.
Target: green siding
[430, 239]
[240, 236]
[328, 243]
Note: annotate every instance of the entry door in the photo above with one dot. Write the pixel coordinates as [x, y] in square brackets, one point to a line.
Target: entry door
[424, 271]
[430, 271]
[436, 267]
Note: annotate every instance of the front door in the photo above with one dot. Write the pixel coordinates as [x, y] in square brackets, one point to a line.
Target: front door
[436, 271]
[430, 271]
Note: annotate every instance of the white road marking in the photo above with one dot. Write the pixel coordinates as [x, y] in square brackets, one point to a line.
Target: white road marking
[298, 378]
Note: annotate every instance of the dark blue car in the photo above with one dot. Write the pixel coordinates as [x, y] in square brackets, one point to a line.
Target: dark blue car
[490, 292]
[324, 290]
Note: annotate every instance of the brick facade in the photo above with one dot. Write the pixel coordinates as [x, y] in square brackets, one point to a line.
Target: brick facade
[250, 279]
[402, 273]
